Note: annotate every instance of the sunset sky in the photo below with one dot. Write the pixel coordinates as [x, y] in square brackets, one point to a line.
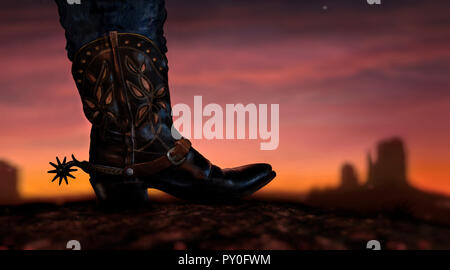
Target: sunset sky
[345, 74]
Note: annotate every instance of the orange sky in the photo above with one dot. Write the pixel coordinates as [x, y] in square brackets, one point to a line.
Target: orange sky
[344, 77]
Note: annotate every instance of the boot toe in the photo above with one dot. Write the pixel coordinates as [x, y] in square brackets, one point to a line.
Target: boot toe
[249, 178]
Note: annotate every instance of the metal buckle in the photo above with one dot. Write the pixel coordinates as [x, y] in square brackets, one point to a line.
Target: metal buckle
[173, 161]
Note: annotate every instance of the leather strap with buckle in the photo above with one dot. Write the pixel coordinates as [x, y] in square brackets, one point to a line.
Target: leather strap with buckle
[174, 157]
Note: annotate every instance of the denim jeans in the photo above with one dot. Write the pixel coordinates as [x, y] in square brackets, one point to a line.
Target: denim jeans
[94, 18]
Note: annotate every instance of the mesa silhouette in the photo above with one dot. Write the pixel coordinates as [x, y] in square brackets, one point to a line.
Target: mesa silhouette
[8, 183]
[387, 189]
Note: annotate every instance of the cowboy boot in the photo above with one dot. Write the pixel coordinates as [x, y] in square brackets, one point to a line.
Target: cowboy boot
[123, 84]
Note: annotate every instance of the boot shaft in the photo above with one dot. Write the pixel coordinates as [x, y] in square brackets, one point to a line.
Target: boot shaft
[122, 81]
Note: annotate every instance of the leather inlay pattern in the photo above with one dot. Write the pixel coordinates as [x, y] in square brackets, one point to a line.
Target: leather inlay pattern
[105, 103]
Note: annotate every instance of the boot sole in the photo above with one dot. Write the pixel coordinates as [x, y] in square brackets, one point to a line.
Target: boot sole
[114, 191]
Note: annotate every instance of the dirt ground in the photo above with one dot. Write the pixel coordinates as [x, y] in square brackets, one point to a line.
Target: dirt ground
[251, 224]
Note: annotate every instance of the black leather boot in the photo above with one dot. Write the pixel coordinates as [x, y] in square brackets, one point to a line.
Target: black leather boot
[122, 81]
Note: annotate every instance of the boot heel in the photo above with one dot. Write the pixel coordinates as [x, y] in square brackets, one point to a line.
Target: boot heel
[115, 191]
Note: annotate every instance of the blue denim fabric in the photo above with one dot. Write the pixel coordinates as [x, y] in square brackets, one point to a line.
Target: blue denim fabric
[94, 18]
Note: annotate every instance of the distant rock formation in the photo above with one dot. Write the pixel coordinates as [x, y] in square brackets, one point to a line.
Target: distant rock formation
[8, 183]
[387, 173]
[390, 167]
[349, 179]
[387, 189]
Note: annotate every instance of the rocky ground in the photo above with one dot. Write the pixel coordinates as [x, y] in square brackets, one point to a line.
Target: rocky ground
[252, 224]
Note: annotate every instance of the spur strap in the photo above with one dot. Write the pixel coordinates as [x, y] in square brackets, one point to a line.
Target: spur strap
[174, 157]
